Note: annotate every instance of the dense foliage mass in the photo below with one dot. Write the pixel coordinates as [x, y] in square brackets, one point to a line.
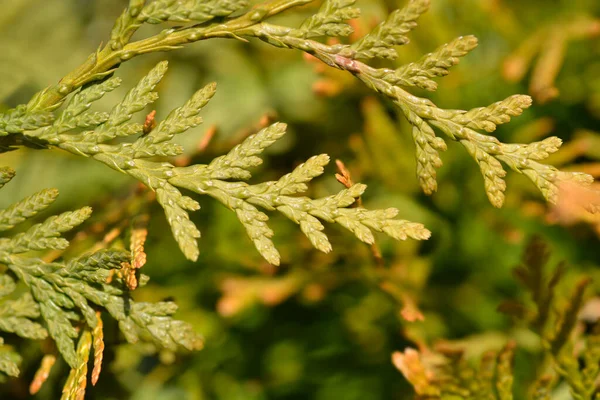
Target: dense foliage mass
[309, 313]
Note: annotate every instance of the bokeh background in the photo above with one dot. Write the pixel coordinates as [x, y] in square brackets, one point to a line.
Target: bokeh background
[324, 326]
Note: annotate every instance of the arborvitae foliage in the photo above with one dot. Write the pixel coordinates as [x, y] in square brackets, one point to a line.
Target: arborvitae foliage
[570, 345]
[65, 299]
[455, 378]
[68, 296]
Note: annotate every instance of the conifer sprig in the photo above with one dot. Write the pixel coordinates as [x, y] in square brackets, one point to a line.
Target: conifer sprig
[9, 360]
[64, 296]
[556, 324]
[330, 20]
[462, 126]
[232, 19]
[220, 178]
[189, 10]
[21, 119]
[455, 377]
[391, 32]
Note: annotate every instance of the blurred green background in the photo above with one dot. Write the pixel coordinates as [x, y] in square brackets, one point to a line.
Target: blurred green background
[324, 326]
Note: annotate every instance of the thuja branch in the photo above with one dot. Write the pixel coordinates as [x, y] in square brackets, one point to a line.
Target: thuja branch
[60, 293]
[66, 295]
[221, 179]
[211, 20]
[107, 58]
[230, 19]
[423, 114]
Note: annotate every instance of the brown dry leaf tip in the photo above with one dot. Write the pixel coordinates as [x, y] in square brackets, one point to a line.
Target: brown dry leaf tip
[130, 278]
[138, 236]
[82, 384]
[345, 179]
[344, 175]
[98, 336]
[410, 365]
[149, 123]
[410, 312]
[139, 233]
[74, 388]
[342, 179]
[41, 375]
[207, 138]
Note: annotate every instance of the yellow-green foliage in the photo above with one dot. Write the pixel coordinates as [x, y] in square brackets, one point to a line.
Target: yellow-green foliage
[64, 298]
[569, 354]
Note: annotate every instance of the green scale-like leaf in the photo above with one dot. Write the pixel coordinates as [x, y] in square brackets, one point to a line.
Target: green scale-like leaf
[64, 293]
[220, 178]
[381, 41]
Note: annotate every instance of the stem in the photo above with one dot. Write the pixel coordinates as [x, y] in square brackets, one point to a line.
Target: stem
[105, 60]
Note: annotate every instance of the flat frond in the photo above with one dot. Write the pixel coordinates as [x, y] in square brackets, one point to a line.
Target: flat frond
[74, 388]
[198, 11]
[46, 235]
[9, 360]
[17, 315]
[138, 97]
[74, 115]
[433, 65]
[65, 295]
[275, 196]
[184, 230]
[234, 165]
[180, 119]
[6, 175]
[330, 20]
[153, 320]
[20, 119]
[487, 118]
[26, 208]
[391, 32]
